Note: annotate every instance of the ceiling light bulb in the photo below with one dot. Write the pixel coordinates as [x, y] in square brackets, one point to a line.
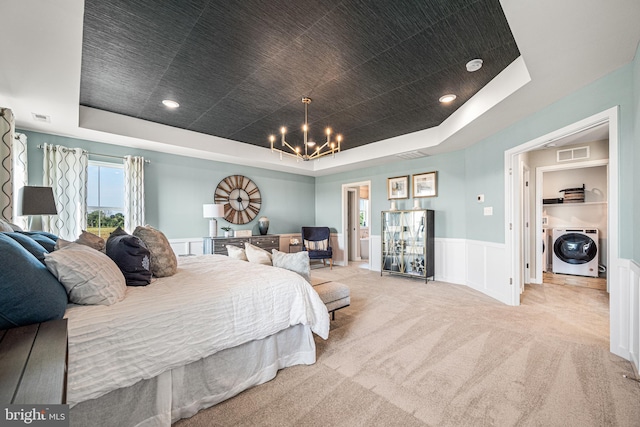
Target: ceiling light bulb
[170, 104]
[474, 65]
[272, 138]
[311, 143]
[328, 131]
[283, 130]
[447, 98]
[305, 128]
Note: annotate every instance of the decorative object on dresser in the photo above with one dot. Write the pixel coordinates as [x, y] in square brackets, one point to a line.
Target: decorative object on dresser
[241, 199]
[329, 147]
[263, 225]
[408, 243]
[425, 184]
[218, 245]
[213, 211]
[227, 231]
[398, 187]
[242, 233]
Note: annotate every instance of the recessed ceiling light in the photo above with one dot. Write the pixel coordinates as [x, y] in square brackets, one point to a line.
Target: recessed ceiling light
[474, 65]
[170, 104]
[447, 98]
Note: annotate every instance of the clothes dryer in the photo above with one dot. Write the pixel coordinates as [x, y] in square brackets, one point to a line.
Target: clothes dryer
[575, 251]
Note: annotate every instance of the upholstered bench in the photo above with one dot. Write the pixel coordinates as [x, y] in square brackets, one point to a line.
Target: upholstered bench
[334, 295]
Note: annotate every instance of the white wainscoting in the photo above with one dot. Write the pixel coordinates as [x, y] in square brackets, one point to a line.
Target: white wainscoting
[627, 343]
[187, 246]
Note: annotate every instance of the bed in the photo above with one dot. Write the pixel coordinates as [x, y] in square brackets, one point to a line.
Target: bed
[189, 341]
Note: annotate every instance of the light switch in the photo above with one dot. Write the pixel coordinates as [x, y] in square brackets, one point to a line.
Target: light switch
[480, 198]
[488, 211]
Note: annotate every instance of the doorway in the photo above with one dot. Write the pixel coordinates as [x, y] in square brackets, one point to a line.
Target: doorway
[353, 243]
[514, 216]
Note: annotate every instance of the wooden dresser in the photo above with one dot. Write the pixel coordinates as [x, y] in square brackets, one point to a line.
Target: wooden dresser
[33, 364]
[217, 245]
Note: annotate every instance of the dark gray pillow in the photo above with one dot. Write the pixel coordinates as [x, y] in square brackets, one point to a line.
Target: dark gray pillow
[29, 293]
[132, 257]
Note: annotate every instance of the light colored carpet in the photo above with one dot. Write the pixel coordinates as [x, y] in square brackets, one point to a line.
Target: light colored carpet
[406, 353]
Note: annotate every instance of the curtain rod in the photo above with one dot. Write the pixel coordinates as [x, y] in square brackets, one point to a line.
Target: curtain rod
[96, 154]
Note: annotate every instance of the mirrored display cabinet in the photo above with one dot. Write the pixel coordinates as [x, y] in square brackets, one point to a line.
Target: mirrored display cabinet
[407, 243]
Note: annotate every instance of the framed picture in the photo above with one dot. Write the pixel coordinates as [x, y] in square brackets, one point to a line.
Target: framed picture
[425, 184]
[398, 187]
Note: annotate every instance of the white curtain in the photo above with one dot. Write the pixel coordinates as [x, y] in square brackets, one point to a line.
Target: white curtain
[20, 175]
[7, 130]
[133, 192]
[65, 170]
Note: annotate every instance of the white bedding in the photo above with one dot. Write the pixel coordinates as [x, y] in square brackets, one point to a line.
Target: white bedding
[212, 303]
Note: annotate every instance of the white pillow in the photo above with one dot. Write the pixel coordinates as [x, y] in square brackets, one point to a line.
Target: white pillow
[236, 253]
[256, 254]
[89, 276]
[297, 262]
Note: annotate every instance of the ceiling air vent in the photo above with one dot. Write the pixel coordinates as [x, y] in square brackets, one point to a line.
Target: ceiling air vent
[412, 155]
[577, 153]
[41, 117]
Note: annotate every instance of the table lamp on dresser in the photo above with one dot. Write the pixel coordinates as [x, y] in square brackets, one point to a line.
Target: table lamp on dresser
[213, 211]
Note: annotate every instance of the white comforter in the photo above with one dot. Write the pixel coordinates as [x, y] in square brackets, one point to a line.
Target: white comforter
[213, 302]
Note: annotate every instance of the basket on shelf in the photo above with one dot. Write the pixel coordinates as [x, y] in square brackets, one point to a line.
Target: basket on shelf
[573, 195]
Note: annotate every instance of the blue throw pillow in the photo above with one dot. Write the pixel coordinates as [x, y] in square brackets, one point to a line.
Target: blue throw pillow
[46, 240]
[34, 248]
[29, 293]
[132, 257]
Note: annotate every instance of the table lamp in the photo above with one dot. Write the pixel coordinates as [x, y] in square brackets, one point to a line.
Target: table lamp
[37, 201]
[213, 211]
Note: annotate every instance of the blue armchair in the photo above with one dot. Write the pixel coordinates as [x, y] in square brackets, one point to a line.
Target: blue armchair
[316, 241]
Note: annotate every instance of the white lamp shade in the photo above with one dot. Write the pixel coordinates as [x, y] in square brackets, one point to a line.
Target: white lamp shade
[212, 210]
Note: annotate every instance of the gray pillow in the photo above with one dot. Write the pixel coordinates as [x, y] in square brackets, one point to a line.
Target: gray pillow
[297, 262]
[163, 260]
[89, 276]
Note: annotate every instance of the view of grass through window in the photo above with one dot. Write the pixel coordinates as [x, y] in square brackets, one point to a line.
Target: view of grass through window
[105, 198]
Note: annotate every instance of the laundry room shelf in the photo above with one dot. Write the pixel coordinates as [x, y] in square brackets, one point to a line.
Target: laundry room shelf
[555, 205]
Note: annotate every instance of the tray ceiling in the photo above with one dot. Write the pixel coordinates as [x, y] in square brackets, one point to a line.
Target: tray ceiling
[374, 69]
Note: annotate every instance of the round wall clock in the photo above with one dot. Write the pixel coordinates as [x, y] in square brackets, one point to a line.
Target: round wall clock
[241, 198]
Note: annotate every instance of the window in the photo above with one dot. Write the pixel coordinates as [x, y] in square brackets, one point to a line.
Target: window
[105, 198]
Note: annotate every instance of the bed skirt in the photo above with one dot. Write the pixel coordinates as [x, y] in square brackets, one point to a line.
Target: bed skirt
[182, 392]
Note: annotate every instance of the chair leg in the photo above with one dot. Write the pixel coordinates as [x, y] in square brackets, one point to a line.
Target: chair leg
[324, 263]
[330, 263]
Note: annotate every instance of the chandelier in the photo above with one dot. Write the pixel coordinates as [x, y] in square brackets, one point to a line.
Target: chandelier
[329, 147]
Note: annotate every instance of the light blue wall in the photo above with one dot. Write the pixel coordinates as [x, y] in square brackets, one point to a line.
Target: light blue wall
[176, 187]
[485, 159]
[479, 169]
[448, 205]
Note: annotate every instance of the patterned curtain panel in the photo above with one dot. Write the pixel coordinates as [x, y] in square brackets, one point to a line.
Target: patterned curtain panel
[6, 168]
[65, 170]
[133, 192]
[20, 175]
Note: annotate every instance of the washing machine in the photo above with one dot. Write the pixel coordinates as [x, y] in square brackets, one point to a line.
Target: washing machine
[575, 251]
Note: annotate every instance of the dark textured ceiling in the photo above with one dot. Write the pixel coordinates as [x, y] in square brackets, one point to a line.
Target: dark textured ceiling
[374, 69]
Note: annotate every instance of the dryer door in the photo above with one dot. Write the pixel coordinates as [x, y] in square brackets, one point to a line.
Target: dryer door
[575, 248]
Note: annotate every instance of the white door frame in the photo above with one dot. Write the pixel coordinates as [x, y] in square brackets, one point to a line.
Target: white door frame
[344, 238]
[513, 215]
[526, 218]
[540, 171]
